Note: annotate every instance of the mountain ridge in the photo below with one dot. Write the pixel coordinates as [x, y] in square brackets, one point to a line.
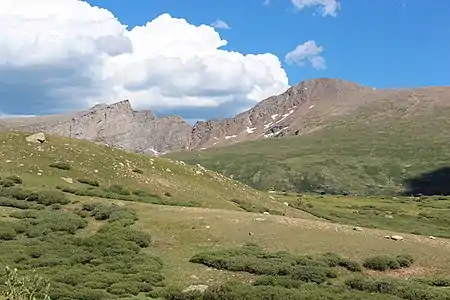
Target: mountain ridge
[306, 107]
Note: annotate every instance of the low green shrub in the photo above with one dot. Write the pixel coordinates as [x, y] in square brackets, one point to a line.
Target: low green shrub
[7, 233]
[10, 181]
[91, 182]
[126, 288]
[56, 206]
[102, 212]
[6, 183]
[405, 260]
[351, 265]
[312, 274]
[251, 258]
[90, 206]
[7, 202]
[14, 178]
[118, 189]
[117, 231]
[112, 213]
[117, 192]
[82, 213]
[46, 197]
[68, 189]
[61, 166]
[403, 289]
[18, 193]
[388, 262]
[241, 291]
[282, 281]
[44, 222]
[334, 260]
[104, 265]
[438, 282]
[142, 193]
[139, 171]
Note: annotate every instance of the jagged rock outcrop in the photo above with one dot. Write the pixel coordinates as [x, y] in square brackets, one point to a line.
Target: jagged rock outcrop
[116, 125]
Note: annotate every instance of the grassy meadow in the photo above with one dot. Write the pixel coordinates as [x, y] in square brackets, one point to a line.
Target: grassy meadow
[99, 223]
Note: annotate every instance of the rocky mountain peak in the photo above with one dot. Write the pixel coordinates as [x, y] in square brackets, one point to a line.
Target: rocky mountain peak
[280, 115]
[114, 124]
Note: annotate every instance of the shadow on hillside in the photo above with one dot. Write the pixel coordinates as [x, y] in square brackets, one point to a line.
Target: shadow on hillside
[432, 183]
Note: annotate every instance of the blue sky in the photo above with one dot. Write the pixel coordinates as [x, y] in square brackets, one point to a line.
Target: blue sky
[166, 55]
[382, 43]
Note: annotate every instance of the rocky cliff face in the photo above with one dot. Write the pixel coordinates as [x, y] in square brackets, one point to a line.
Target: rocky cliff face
[116, 125]
[303, 108]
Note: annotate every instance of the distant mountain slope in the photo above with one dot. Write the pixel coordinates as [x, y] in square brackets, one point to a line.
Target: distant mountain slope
[375, 146]
[303, 108]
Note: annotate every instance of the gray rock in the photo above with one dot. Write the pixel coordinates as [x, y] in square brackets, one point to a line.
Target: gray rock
[397, 238]
[196, 288]
[67, 179]
[36, 138]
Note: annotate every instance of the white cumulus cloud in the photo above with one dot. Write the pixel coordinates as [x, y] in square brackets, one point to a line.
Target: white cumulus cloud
[59, 55]
[307, 52]
[220, 24]
[328, 7]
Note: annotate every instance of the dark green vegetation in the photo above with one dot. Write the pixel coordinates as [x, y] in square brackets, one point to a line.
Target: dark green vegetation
[282, 275]
[252, 259]
[9, 181]
[89, 250]
[44, 234]
[387, 262]
[387, 147]
[425, 215]
[119, 192]
[61, 166]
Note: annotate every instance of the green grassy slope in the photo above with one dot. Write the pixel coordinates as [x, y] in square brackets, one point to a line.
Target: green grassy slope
[153, 180]
[372, 151]
[92, 245]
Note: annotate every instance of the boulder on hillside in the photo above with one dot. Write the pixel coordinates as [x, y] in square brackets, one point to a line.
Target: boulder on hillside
[36, 138]
[196, 288]
[67, 179]
[397, 238]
